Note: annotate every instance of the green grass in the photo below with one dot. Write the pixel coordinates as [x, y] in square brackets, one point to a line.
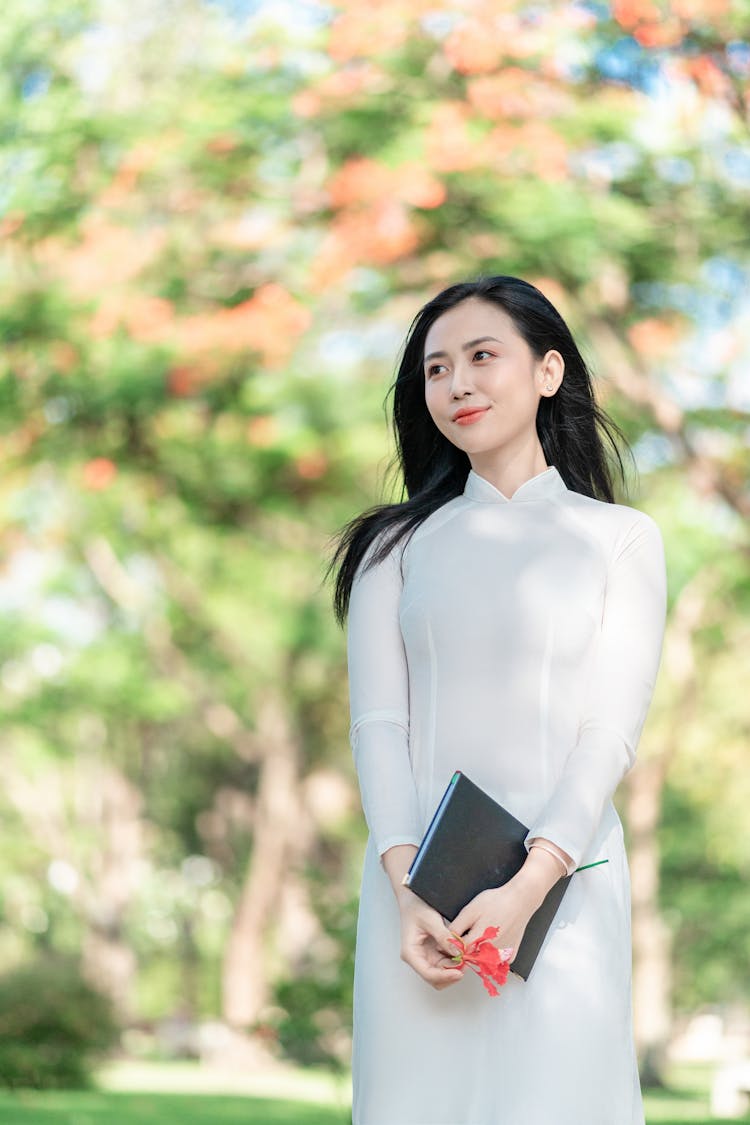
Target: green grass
[74, 1108]
[685, 1102]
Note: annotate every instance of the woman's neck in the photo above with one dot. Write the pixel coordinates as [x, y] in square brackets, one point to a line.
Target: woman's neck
[507, 472]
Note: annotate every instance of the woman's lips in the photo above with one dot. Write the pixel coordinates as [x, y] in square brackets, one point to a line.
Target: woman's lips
[467, 419]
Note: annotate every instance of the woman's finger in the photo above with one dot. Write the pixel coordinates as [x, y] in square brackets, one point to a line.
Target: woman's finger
[479, 928]
[435, 930]
[462, 922]
[441, 939]
[433, 974]
[434, 954]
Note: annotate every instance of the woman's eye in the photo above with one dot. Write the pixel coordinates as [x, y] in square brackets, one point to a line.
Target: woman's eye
[481, 352]
[435, 367]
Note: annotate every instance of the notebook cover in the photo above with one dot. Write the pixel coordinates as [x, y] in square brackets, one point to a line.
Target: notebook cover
[473, 843]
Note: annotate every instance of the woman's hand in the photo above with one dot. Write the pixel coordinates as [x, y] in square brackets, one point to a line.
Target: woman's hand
[511, 906]
[507, 907]
[424, 942]
[424, 934]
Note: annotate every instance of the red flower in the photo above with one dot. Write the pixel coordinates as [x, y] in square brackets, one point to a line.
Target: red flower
[99, 473]
[492, 964]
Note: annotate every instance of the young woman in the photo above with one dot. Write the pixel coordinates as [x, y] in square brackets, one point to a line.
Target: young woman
[505, 620]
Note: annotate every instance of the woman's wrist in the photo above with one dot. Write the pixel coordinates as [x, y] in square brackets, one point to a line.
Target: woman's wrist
[540, 871]
[396, 862]
[563, 860]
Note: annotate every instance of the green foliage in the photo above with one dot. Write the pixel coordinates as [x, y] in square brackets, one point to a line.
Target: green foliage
[314, 1024]
[53, 1025]
[707, 907]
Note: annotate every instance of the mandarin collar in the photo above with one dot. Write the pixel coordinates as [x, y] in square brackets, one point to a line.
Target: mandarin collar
[546, 485]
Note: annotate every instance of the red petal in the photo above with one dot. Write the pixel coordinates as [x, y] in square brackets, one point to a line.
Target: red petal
[486, 981]
[489, 957]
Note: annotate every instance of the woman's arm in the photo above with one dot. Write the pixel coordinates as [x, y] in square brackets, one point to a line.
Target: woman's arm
[624, 670]
[379, 705]
[625, 665]
[379, 735]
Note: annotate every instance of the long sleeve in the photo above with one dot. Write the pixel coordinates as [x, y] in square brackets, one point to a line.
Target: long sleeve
[624, 670]
[379, 705]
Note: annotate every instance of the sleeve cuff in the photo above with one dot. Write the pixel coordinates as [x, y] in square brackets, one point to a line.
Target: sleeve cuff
[392, 841]
[535, 833]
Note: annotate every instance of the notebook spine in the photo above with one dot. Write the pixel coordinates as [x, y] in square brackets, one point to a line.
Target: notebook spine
[431, 828]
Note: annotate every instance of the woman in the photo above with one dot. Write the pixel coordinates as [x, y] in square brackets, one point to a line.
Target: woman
[506, 620]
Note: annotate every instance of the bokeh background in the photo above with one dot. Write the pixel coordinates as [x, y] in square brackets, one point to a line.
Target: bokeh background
[218, 219]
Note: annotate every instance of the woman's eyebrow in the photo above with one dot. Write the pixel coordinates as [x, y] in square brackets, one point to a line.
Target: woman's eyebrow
[466, 346]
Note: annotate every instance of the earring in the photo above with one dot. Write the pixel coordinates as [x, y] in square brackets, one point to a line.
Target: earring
[549, 387]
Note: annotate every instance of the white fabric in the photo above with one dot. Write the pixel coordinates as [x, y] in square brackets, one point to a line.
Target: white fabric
[521, 646]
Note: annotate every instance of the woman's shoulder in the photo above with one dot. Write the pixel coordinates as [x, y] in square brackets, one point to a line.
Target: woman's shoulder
[615, 513]
[437, 519]
[616, 523]
[388, 548]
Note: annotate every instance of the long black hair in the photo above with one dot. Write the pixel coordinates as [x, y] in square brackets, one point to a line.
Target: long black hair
[574, 431]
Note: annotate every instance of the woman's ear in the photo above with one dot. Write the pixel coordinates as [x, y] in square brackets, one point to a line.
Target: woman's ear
[550, 373]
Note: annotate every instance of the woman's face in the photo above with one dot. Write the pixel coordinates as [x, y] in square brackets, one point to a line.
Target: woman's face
[476, 358]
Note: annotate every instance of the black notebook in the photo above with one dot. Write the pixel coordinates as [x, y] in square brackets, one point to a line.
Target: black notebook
[473, 843]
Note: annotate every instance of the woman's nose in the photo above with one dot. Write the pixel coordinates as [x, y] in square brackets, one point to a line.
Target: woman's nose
[460, 380]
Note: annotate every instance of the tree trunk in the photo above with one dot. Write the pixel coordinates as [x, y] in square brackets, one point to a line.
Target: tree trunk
[112, 805]
[89, 801]
[652, 948]
[280, 833]
[110, 965]
[652, 976]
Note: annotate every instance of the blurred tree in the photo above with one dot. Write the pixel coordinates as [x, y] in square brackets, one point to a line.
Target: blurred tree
[217, 223]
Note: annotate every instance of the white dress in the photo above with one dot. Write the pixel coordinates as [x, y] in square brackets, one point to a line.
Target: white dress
[519, 641]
